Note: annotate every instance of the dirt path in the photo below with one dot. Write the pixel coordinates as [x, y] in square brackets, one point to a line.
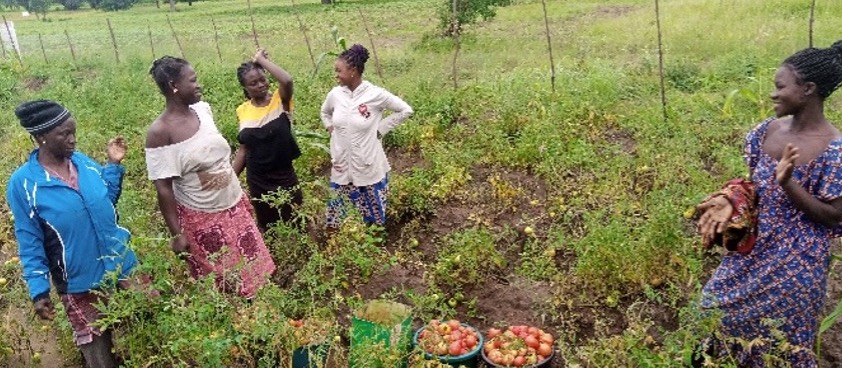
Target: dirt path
[41, 340]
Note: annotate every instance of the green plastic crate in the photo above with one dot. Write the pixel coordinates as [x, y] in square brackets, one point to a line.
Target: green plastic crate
[365, 335]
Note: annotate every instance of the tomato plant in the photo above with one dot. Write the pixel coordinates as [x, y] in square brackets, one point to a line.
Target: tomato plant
[518, 346]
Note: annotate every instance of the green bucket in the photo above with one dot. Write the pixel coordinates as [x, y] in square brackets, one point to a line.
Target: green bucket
[373, 344]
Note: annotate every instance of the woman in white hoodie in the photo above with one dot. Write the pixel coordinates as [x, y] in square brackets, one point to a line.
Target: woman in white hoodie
[353, 114]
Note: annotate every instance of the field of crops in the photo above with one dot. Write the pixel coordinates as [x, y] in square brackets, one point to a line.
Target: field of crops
[511, 203]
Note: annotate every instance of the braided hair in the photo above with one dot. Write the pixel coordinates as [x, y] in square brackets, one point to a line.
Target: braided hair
[820, 66]
[243, 70]
[165, 70]
[356, 56]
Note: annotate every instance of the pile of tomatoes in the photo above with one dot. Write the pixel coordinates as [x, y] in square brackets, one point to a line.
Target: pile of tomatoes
[448, 338]
[518, 346]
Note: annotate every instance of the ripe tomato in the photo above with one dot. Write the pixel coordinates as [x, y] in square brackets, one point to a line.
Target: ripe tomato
[488, 347]
[547, 338]
[519, 361]
[532, 331]
[545, 350]
[531, 341]
[441, 348]
[455, 348]
[495, 356]
[507, 359]
[493, 332]
[454, 324]
[470, 341]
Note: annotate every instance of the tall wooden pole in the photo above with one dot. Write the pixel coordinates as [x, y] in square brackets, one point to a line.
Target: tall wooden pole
[70, 46]
[177, 41]
[253, 28]
[151, 43]
[113, 40]
[216, 39]
[304, 32]
[812, 20]
[12, 41]
[661, 60]
[373, 48]
[43, 52]
[456, 41]
[549, 45]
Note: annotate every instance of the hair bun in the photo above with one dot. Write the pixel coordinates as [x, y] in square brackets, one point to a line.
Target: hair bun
[360, 51]
[837, 48]
[41, 116]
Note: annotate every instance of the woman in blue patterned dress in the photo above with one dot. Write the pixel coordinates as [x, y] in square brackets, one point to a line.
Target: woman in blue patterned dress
[795, 162]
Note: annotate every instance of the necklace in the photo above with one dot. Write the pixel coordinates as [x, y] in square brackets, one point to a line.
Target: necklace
[71, 179]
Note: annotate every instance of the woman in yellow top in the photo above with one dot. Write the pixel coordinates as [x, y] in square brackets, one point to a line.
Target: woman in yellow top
[267, 146]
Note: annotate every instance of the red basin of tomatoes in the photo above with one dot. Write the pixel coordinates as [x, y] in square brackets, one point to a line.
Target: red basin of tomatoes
[518, 346]
[449, 341]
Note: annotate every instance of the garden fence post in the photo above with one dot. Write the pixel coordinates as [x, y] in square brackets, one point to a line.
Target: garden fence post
[43, 52]
[661, 60]
[113, 40]
[812, 19]
[176, 37]
[216, 39]
[549, 45]
[253, 28]
[304, 32]
[70, 46]
[151, 43]
[373, 48]
[12, 41]
[456, 31]
[3, 48]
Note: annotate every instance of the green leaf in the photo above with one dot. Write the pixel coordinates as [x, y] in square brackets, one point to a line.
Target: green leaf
[831, 318]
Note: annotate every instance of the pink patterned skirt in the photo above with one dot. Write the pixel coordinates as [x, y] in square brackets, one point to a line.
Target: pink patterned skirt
[229, 245]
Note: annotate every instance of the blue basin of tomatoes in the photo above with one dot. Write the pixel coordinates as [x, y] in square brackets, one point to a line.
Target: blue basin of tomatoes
[453, 343]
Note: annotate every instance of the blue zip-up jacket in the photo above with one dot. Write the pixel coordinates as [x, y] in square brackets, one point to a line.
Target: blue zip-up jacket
[69, 235]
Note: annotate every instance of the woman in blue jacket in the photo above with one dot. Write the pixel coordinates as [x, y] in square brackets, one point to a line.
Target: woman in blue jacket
[63, 204]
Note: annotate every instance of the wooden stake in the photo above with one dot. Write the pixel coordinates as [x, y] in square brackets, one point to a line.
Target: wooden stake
[43, 52]
[176, 37]
[549, 45]
[661, 60]
[151, 44]
[812, 19]
[373, 49]
[304, 32]
[456, 32]
[113, 40]
[216, 39]
[3, 48]
[70, 46]
[12, 40]
[253, 28]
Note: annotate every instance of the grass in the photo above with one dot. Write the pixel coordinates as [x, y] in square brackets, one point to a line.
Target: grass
[608, 226]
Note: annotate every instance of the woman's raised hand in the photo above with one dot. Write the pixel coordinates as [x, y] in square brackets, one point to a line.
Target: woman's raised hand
[260, 55]
[715, 214]
[116, 149]
[783, 172]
